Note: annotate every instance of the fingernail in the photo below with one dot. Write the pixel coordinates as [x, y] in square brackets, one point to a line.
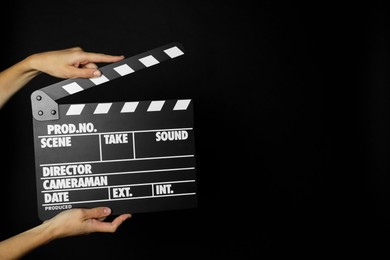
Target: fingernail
[107, 211]
[97, 73]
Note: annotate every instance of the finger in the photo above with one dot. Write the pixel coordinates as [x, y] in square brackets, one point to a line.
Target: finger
[98, 212]
[90, 65]
[102, 219]
[120, 219]
[111, 227]
[99, 57]
[83, 72]
[77, 48]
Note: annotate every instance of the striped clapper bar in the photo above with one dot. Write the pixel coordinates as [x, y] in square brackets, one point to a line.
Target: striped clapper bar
[130, 156]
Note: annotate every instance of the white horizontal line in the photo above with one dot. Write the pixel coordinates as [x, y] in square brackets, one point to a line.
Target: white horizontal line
[132, 198]
[114, 186]
[117, 173]
[119, 132]
[120, 160]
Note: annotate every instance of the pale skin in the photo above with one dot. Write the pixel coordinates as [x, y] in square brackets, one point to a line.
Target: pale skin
[67, 63]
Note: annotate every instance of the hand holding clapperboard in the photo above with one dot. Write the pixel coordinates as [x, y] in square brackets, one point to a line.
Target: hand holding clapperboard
[129, 156]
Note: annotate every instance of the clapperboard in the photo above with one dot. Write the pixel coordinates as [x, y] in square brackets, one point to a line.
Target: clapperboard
[136, 156]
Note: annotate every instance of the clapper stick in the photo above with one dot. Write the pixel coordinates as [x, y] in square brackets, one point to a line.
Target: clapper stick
[135, 156]
[43, 100]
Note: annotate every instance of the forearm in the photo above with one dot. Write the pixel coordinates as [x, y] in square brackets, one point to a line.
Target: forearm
[18, 246]
[15, 77]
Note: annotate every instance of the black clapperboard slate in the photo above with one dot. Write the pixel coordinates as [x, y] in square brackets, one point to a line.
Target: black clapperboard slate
[130, 156]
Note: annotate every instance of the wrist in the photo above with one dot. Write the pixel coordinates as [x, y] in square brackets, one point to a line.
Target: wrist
[30, 65]
[49, 233]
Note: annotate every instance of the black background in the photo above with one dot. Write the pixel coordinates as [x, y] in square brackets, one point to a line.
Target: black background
[291, 123]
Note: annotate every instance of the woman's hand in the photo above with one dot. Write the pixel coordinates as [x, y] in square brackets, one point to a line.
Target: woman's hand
[75, 222]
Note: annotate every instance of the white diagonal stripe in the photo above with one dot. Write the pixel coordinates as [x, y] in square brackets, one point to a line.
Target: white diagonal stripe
[102, 108]
[123, 69]
[75, 109]
[99, 80]
[149, 61]
[156, 105]
[173, 52]
[72, 88]
[129, 107]
[182, 104]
